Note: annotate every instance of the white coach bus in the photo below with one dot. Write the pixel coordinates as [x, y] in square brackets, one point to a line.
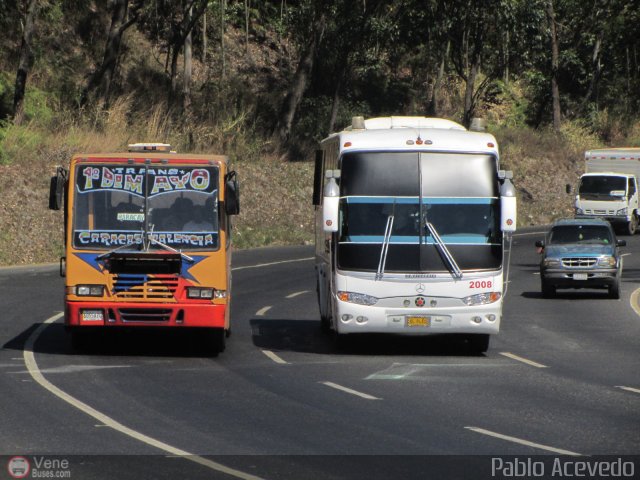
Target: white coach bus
[413, 218]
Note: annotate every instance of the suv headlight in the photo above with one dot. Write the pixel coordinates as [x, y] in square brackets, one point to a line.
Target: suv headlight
[89, 290]
[607, 262]
[482, 298]
[551, 262]
[358, 298]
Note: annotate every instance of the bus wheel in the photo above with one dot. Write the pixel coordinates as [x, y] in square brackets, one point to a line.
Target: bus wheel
[478, 343]
[216, 341]
[80, 340]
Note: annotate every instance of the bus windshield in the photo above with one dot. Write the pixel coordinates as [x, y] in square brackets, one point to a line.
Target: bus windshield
[117, 206]
[455, 193]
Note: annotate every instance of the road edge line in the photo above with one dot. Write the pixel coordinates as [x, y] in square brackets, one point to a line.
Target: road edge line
[34, 371]
[520, 441]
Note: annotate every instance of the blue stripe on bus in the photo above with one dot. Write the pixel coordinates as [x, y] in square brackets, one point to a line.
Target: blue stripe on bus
[448, 239]
[426, 200]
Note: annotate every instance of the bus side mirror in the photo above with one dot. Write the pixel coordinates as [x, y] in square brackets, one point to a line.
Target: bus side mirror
[56, 189]
[330, 204]
[508, 206]
[231, 194]
[568, 188]
[317, 178]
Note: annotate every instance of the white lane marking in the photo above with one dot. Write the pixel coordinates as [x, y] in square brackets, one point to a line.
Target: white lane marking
[262, 311]
[634, 301]
[76, 368]
[528, 234]
[418, 371]
[297, 294]
[523, 442]
[349, 390]
[523, 360]
[628, 389]
[32, 367]
[261, 265]
[274, 357]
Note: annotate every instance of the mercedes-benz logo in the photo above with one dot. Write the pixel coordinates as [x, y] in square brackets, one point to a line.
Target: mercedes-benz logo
[420, 288]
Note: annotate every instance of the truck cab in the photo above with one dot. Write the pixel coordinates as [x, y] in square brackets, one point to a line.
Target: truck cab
[610, 196]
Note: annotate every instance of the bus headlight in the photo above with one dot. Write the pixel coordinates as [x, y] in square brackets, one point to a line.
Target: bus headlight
[89, 290]
[482, 298]
[200, 292]
[358, 298]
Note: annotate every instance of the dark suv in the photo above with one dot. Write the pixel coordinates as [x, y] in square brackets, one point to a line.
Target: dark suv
[580, 253]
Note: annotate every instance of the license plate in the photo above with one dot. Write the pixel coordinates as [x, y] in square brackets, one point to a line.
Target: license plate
[580, 276]
[418, 321]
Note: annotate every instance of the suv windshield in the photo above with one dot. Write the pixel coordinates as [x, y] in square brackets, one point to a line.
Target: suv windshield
[115, 206]
[580, 234]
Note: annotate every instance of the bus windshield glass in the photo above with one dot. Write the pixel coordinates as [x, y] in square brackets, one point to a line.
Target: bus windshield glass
[456, 193]
[116, 206]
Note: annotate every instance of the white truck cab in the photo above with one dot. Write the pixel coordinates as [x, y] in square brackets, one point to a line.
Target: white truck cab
[609, 188]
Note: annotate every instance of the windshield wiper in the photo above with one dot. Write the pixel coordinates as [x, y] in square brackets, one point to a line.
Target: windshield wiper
[121, 247]
[167, 247]
[444, 252]
[385, 248]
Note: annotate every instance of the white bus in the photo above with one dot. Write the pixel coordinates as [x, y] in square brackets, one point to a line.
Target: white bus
[413, 217]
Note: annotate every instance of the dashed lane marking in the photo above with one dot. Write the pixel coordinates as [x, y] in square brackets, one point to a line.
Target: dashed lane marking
[36, 374]
[522, 360]
[261, 265]
[520, 441]
[350, 391]
[262, 311]
[297, 294]
[274, 357]
[628, 389]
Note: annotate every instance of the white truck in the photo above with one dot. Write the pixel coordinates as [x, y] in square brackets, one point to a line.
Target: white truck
[609, 188]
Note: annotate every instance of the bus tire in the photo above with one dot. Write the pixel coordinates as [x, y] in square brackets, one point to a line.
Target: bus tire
[216, 341]
[478, 342]
[80, 340]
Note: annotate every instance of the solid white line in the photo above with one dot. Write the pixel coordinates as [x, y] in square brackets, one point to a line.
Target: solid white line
[348, 390]
[293, 295]
[32, 367]
[528, 234]
[262, 311]
[272, 263]
[274, 357]
[523, 442]
[628, 389]
[523, 360]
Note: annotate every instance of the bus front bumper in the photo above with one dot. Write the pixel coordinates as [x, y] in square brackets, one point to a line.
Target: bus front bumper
[353, 318]
[144, 314]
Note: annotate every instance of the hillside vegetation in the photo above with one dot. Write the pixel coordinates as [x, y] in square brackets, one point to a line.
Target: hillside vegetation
[263, 81]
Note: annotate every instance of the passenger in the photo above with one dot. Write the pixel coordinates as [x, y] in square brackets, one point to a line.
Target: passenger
[198, 222]
[179, 214]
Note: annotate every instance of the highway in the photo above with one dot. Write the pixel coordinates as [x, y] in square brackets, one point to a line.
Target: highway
[561, 379]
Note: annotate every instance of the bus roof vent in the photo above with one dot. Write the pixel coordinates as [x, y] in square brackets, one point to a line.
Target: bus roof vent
[478, 125]
[357, 123]
[150, 147]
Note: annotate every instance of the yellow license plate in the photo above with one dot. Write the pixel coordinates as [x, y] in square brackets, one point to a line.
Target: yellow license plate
[418, 321]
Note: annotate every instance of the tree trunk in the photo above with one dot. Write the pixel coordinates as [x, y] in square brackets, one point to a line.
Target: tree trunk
[433, 106]
[204, 38]
[103, 77]
[555, 91]
[596, 70]
[299, 83]
[26, 62]
[186, 81]
[223, 7]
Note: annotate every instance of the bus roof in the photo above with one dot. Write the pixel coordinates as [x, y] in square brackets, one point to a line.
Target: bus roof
[164, 158]
[413, 133]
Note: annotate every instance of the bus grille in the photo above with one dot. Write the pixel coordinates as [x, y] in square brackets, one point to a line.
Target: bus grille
[145, 314]
[578, 262]
[144, 287]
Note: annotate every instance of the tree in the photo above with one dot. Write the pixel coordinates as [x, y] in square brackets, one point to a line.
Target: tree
[26, 61]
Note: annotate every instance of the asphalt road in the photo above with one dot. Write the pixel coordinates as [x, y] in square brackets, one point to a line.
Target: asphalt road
[561, 379]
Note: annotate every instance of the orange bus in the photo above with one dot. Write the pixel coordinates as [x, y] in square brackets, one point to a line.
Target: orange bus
[147, 241]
